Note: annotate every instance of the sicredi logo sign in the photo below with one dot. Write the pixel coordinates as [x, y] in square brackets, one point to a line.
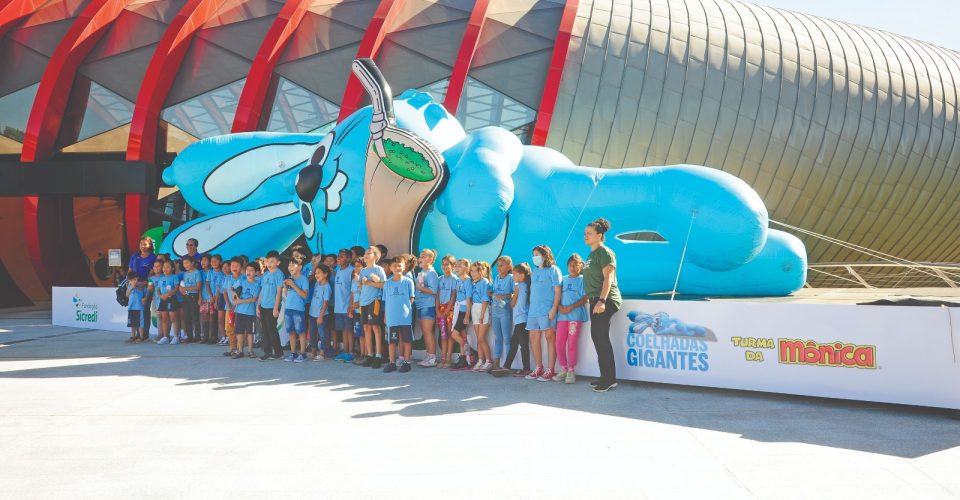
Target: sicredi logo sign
[659, 341]
[84, 312]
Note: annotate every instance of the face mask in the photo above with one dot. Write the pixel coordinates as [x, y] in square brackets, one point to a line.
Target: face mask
[537, 261]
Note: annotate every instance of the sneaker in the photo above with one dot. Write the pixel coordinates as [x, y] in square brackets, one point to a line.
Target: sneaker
[404, 367]
[547, 376]
[430, 362]
[164, 341]
[368, 362]
[390, 367]
[560, 377]
[520, 373]
[277, 356]
[571, 378]
[289, 357]
[339, 357]
[604, 387]
[174, 341]
[300, 358]
[377, 363]
[477, 366]
[595, 383]
[359, 360]
[500, 372]
[486, 367]
[460, 364]
[347, 358]
[235, 354]
[534, 375]
[252, 355]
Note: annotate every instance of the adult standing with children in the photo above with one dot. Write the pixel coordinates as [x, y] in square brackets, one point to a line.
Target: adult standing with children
[600, 284]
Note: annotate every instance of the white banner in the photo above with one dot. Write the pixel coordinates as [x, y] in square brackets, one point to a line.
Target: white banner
[88, 307]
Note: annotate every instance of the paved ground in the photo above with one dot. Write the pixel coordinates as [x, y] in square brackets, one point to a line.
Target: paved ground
[84, 415]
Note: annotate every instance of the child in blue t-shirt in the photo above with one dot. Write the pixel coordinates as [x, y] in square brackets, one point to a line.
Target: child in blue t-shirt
[356, 351]
[464, 291]
[192, 281]
[398, 295]
[166, 290]
[446, 304]
[246, 309]
[294, 302]
[520, 341]
[319, 309]
[573, 314]
[479, 314]
[136, 303]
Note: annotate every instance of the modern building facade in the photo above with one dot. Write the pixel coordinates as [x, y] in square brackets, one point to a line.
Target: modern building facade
[843, 130]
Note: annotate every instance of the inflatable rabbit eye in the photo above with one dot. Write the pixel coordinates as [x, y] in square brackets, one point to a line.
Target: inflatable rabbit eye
[308, 186]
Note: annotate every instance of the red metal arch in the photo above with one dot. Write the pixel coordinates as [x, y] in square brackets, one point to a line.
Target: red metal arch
[369, 46]
[144, 141]
[12, 11]
[251, 108]
[43, 127]
[468, 47]
[554, 75]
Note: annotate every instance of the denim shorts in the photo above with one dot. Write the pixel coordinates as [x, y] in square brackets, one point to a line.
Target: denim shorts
[293, 322]
[429, 312]
[541, 323]
[341, 321]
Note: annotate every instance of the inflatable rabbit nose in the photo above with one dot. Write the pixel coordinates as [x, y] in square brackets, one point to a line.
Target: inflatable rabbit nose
[308, 182]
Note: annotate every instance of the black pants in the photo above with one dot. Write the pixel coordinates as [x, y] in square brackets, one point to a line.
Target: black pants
[269, 335]
[520, 340]
[600, 333]
[191, 317]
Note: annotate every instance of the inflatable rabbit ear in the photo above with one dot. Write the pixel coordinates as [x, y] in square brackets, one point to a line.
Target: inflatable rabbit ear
[403, 174]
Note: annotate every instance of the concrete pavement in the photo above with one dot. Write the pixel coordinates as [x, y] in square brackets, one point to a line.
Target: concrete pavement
[83, 415]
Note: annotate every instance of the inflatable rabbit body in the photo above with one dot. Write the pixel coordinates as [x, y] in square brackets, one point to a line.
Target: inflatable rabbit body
[404, 173]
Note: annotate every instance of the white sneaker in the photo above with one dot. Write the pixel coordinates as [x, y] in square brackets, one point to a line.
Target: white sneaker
[477, 366]
[430, 362]
[175, 341]
[164, 341]
[561, 376]
[486, 366]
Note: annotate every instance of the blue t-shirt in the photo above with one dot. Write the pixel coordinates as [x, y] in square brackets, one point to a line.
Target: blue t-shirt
[179, 280]
[355, 290]
[502, 286]
[370, 293]
[321, 294]
[430, 279]
[136, 299]
[142, 265]
[341, 290]
[396, 298]
[166, 284]
[249, 290]
[464, 289]
[155, 280]
[542, 289]
[293, 301]
[192, 279]
[479, 292]
[447, 285]
[522, 306]
[270, 282]
[572, 290]
[228, 284]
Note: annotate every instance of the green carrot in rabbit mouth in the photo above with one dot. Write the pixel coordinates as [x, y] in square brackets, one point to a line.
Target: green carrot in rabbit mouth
[406, 161]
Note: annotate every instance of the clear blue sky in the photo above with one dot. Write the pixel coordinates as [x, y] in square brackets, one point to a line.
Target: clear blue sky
[935, 21]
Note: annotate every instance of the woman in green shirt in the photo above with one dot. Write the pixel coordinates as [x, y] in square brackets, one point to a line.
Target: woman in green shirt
[600, 283]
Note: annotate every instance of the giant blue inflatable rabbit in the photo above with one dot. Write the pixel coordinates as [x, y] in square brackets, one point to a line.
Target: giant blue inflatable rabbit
[404, 173]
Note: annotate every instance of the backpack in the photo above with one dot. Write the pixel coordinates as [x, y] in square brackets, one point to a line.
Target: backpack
[122, 298]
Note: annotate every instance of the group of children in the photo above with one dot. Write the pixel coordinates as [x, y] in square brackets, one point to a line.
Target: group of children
[360, 306]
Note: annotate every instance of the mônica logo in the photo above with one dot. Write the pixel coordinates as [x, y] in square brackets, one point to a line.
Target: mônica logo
[659, 341]
[810, 352]
[84, 313]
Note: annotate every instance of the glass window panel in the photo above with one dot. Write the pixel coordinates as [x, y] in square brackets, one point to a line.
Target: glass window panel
[209, 114]
[296, 109]
[481, 106]
[15, 110]
[105, 110]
